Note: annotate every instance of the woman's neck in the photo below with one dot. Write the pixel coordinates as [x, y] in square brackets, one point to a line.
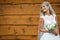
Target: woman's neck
[48, 13]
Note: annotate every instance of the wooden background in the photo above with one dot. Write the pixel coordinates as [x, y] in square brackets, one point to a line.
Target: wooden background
[19, 18]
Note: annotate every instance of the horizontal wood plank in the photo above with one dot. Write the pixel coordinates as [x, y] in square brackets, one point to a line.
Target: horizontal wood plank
[19, 37]
[29, 19]
[24, 9]
[27, 1]
[18, 30]
[19, 9]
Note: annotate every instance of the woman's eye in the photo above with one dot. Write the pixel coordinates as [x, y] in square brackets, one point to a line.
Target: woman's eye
[43, 6]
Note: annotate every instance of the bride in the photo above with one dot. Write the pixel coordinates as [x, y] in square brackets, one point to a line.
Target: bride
[47, 16]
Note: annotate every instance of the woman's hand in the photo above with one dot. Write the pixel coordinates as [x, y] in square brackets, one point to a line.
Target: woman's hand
[51, 31]
[56, 31]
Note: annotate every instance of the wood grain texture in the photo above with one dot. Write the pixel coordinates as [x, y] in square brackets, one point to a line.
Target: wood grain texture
[24, 9]
[18, 30]
[27, 1]
[18, 37]
[28, 19]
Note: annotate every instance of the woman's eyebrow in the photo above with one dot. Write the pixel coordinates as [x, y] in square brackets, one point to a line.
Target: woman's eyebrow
[42, 6]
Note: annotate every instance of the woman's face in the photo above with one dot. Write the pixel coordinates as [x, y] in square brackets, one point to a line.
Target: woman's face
[44, 8]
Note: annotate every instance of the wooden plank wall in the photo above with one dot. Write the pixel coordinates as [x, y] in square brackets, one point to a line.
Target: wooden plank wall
[19, 18]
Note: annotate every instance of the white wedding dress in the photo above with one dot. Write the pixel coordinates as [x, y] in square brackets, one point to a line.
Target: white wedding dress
[46, 35]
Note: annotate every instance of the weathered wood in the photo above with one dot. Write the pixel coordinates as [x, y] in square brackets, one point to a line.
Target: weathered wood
[19, 37]
[27, 1]
[19, 9]
[24, 9]
[18, 30]
[28, 19]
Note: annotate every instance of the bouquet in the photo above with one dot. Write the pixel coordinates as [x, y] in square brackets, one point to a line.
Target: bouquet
[51, 26]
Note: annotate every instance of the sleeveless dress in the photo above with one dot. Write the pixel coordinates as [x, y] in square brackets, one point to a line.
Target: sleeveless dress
[46, 35]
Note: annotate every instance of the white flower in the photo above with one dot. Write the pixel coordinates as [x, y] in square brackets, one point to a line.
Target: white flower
[51, 26]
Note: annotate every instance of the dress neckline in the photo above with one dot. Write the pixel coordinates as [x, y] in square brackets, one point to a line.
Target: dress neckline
[48, 15]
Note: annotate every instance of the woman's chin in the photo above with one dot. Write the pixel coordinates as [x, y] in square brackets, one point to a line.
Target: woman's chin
[44, 11]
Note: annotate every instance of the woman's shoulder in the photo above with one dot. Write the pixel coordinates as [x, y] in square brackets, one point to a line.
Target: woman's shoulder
[41, 16]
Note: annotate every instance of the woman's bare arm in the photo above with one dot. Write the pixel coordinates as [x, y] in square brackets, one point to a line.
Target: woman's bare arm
[41, 25]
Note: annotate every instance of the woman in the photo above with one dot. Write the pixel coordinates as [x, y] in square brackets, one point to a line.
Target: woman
[47, 16]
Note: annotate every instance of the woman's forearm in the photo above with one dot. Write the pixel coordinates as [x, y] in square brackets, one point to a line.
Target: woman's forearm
[43, 30]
